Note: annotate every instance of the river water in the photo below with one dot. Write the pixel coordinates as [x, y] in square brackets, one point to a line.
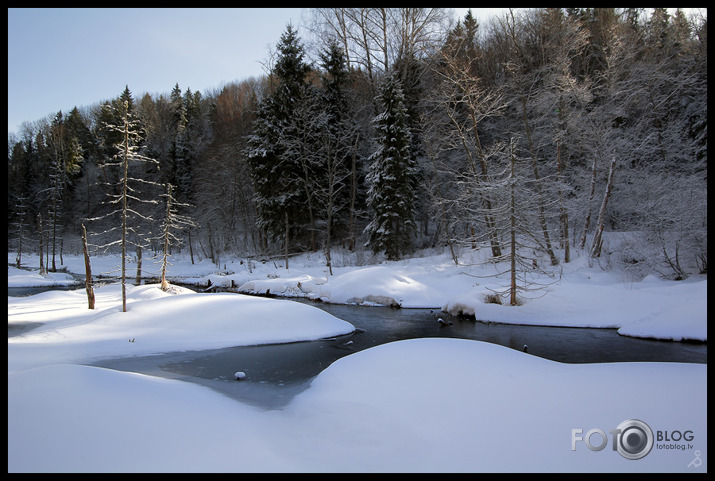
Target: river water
[275, 373]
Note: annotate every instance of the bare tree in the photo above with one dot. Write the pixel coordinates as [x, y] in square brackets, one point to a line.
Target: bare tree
[375, 38]
[20, 225]
[172, 221]
[466, 102]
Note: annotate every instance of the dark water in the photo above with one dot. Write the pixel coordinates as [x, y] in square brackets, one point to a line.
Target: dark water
[563, 344]
[31, 291]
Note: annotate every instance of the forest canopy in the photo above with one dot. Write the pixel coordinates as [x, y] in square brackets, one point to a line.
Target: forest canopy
[402, 129]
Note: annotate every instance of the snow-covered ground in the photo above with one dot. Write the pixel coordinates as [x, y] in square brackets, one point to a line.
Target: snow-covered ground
[418, 405]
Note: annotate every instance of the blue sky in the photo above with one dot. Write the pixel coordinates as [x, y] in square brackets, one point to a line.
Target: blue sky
[61, 58]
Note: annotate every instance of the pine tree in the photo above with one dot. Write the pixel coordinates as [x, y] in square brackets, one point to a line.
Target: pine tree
[392, 176]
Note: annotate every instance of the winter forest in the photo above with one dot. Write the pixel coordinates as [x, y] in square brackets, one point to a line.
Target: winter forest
[391, 131]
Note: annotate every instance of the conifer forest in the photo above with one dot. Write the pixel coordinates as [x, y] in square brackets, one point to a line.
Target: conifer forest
[391, 131]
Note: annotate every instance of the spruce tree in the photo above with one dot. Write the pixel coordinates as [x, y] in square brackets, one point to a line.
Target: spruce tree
[272, 153]
[179, 171]
[392, 176]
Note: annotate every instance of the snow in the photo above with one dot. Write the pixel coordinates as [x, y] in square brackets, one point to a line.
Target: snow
[156, 322]
[575, 295]
[22, 278]
[419, 405]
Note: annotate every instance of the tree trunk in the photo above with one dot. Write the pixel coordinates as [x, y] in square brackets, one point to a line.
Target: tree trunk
[512, 208]
[191, 249]
[564, 216]
[491, 225]
[353, 194]
[597, 242]
[54, 226]
[164, 284]
[124, 213]
[47, 251]
[18, 258]
[39, 229]
[87, 270]
[587, 223]
[286, 240]
[138, 280]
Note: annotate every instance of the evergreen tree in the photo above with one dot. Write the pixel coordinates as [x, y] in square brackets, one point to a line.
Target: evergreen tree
[272, 153]
[179, 158]
[392, 176]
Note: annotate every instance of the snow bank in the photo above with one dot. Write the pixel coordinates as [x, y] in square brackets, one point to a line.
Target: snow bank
[282, 286]
[434, 405]
[670, 310]
[24, 278]
[65, 418]
[574, 294]
[377, 285]
[452, 404]
[157, 321]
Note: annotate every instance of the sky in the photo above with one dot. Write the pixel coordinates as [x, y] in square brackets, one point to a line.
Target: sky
[61, 58]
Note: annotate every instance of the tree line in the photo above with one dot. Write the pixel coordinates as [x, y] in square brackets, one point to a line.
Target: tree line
[401, 129]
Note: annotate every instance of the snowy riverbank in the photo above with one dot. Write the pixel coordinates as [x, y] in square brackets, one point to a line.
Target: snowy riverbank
[420, 405]
[574, 294]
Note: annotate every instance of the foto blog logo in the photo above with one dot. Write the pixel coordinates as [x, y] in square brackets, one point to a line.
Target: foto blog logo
[633, 439]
